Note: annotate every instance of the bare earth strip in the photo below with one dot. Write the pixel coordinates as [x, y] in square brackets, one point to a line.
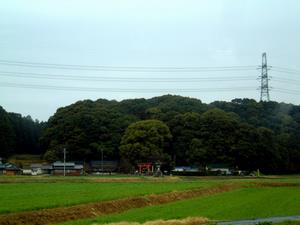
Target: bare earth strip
[63, 214]
[83, 180]
[186, 221]
[275, 184]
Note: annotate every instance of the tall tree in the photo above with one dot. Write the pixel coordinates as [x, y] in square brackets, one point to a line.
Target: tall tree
[145, 141]
[7, 136]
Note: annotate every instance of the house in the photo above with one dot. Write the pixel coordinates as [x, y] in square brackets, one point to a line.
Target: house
[26, 170]
[11, 169]
[186, 171]
[36, 169]
[2, 167]
[185, 168]
[68, 168]
[47, 169]
[219, 169]
[105, 166]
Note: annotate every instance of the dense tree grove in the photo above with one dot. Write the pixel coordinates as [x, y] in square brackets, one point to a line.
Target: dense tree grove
[176, 130]
[86, 128]
[19, 135]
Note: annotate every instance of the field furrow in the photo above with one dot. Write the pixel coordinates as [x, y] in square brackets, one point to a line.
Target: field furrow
[57, 215]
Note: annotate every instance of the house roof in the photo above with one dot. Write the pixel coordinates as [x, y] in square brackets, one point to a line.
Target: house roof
[10, 166]
[218, 165]
[69, 165]
[36, 165]
[104, 162]
[185, 168]
[59, 164]
[77, 167]
[47, 167]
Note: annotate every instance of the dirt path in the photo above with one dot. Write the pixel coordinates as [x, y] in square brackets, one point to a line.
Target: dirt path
[58, 215]
[186, 221]
[260, 220]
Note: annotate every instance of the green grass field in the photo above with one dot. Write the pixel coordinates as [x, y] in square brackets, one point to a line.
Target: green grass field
[247, 203]
[16, 197]
[20, 194]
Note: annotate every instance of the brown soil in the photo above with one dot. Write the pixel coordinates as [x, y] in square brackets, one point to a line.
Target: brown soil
[45, 179]
[276, 184]
[137, 179]
[58, 215]
[187, 221]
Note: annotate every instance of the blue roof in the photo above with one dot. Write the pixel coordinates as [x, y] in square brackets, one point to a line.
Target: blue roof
[10, 166]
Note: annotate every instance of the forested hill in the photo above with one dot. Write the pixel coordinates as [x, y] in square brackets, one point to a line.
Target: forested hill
[173, 129]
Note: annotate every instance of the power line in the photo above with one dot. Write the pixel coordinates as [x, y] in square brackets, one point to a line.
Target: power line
[287, 91]
[127, 68]
[138, 90]
[285, 69]
[120, 79]
[286, 80]
[148, 69]
[287, 72]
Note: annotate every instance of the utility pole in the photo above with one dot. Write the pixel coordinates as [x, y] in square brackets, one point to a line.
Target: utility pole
[102, 160]
[64, 161]
[264, 86]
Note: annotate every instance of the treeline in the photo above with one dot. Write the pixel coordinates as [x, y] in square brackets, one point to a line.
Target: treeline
[177, 130]
[19, 135]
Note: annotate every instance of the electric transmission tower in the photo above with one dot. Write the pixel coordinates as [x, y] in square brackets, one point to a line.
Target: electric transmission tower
[264, 86]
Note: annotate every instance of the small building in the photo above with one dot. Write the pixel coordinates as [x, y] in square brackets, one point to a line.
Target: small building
[105, 166]
[36, 169]
[2, 168]
[185, 168]
[47, 169]
[186, 171]
[69, 168]
[11, 169]
[219, 169]
[26, 170]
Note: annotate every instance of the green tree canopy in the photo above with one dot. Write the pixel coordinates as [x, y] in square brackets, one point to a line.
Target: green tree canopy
[145, 141]
[7, 136]
[84, 128]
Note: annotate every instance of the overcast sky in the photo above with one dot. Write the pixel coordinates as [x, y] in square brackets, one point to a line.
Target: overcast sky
[156, 33]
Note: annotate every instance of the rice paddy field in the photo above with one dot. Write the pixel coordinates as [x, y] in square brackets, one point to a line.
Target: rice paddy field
[104, 200]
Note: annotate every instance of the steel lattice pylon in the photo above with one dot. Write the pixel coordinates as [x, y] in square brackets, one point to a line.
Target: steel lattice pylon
[264, 86]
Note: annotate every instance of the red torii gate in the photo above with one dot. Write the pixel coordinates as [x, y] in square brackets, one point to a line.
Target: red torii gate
[145, 166]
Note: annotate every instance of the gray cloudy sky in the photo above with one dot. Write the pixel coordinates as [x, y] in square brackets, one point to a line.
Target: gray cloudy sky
[174, 33]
